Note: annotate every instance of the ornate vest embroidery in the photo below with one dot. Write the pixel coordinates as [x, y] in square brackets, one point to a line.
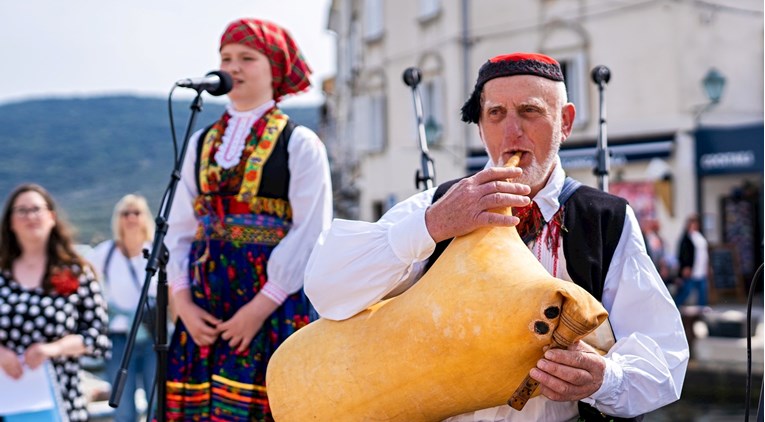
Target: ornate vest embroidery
[228, 198]
[254, 170]
[210, 171]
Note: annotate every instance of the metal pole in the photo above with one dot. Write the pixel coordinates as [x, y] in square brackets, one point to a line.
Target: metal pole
[425, 176]
[466, 43]
[601, 75]
[157, 261]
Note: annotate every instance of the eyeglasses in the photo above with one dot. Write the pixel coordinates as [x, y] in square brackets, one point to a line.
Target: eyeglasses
[128, 213]
[28, 212]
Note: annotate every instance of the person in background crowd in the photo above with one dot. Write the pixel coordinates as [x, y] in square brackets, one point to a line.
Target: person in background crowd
[577, 233]
[693, 259]
[654, 245]
[51, 307]
[255, 193]
[121, 266]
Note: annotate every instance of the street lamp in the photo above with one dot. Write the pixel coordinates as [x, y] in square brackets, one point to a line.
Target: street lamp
[714, 82]
[432, 130]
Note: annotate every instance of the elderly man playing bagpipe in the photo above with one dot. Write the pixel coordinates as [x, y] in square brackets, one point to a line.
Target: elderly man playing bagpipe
[577, 233]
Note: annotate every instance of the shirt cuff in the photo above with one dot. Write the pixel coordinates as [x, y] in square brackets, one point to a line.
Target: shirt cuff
[274, 292]
[611, 387]
[178, 284]
[409, 238]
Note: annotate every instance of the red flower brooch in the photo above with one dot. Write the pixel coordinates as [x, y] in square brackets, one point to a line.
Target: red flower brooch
[64, 281]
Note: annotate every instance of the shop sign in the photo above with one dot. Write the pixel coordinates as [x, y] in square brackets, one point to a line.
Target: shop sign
[727, 160]
[729, 150]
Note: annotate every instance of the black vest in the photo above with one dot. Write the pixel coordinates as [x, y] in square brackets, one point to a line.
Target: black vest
[276, 170]
[593, 222]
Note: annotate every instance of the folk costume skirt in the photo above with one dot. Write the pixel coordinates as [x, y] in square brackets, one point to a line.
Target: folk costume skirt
[215, 383]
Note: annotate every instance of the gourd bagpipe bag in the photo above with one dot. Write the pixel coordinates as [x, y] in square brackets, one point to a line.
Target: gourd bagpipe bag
[463, 338]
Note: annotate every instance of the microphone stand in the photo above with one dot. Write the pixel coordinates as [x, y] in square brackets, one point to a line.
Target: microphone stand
[157, 260]
[601, 75]
[425, 176]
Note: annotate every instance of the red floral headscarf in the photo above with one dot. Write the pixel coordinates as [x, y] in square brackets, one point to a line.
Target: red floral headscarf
[289, 70]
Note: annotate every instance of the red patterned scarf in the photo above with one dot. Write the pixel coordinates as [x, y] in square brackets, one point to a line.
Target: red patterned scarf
[289, 70]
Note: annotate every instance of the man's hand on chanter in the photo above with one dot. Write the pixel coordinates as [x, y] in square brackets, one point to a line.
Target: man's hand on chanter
[569, 375]
[468, 204]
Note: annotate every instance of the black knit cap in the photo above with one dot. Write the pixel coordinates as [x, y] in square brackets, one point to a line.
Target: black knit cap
[509, 65]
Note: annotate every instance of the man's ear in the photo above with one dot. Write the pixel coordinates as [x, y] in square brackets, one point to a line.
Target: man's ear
[568, 112]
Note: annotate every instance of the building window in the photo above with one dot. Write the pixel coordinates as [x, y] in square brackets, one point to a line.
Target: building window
[354, 46]
[369, 123]
[378, 127]
[433, 109]
[373, 20]
[576, 78]
[380, 207]
[428, 9]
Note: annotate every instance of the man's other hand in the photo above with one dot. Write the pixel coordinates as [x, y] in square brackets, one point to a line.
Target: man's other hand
[569, 375]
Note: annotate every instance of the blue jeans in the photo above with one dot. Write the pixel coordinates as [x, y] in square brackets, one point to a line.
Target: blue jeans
[142, 366]
[689, 285]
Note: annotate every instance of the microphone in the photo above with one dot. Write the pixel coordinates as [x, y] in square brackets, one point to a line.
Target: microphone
[412, 76]
[215, 83]
[601, 74]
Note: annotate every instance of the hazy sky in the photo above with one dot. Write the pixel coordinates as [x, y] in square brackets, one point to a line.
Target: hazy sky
[91, 47]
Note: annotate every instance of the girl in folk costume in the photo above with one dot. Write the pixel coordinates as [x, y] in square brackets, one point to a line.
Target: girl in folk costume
[255, 193]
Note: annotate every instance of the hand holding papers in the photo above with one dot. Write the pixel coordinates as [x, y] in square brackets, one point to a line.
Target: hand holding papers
[36, 392]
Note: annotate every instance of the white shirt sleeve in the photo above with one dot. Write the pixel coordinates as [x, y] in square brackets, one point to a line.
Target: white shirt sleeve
[182, 223]
[355, 264]
[310, 196]
[646, 367]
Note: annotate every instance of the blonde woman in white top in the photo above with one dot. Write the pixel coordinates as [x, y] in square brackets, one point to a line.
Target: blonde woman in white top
[121, 266]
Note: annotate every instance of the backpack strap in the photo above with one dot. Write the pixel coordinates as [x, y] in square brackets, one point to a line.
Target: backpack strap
[149, 314]
[440, 246]
[108, 260]
[132, 270]
[569, 187]
[113, 309]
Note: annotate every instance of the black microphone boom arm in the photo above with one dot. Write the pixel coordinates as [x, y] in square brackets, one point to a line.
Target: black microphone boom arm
[600, 76]
[425, 176]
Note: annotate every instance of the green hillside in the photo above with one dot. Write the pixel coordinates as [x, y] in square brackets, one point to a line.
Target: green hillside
[89, 152]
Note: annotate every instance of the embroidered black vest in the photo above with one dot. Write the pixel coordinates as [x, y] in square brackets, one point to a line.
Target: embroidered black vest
[276, 170]
[594, 221]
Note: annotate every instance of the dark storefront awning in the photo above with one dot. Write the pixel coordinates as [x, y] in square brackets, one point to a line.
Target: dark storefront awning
[620, 153]
[582, 155]
[729, 150]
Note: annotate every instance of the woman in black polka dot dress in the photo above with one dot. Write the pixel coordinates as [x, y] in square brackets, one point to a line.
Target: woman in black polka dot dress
[50, 302]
